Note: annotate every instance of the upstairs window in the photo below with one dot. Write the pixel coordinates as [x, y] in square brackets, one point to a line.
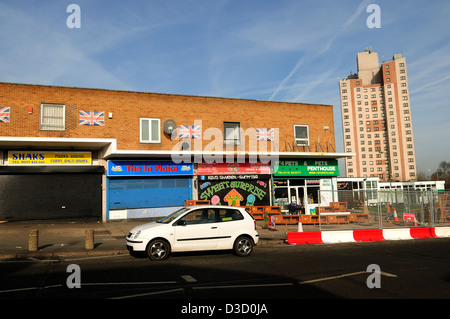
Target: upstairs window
[232, 133]
[301, 134]
[150, 130]
[53, 117]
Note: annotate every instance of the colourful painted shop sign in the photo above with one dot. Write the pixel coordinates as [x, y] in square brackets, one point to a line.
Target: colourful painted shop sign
[234, 184]
[293, 168]
[233, 168]
[250, 192]
[148, 168]
[30, 158]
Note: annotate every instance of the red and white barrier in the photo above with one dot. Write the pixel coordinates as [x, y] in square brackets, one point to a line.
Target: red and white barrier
[442, 232]
[329, 237]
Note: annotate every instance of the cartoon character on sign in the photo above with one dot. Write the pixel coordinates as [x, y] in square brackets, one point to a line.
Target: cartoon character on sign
[233, 198]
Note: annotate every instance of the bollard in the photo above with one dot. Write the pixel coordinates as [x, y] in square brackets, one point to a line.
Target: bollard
[300, 227]
[33, 240]
[89, 239]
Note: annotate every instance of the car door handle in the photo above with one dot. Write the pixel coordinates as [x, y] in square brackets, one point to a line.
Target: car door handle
[214, 227]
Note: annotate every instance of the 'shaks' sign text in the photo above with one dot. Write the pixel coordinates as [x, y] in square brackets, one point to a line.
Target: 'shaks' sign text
[148, 168]
[49, 158]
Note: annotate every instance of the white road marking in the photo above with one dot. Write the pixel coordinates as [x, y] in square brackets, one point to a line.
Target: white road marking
[128, 283]
[30, 288]
[342, 276]
[189, 278]
[244, 286]
[149, 293]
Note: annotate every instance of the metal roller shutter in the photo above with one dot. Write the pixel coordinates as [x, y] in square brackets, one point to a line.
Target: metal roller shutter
[148, 192]
[50, 196]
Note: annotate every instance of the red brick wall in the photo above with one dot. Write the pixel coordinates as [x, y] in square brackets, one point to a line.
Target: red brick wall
[127, 107]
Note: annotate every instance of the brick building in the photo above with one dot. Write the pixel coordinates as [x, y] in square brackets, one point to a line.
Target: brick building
[377, 120]
[103, 154]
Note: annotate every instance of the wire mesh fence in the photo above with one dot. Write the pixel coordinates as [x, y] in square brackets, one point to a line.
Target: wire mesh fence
[349, 209]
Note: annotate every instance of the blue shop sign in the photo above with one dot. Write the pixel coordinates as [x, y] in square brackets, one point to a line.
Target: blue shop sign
[149, 168]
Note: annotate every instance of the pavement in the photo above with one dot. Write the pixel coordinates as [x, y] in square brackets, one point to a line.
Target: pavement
[68, 238]
[62, 238]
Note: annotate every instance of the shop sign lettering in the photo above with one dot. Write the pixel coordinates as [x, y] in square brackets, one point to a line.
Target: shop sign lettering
[307, 168]
[148, 168]
[35, 158]
[233, 168]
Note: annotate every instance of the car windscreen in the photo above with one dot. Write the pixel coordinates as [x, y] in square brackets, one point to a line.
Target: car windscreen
[173, 216]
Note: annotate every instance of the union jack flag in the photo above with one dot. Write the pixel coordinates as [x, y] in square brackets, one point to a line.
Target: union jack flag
[187, 131]
[265, 134]
[4, 114]
[92, 118]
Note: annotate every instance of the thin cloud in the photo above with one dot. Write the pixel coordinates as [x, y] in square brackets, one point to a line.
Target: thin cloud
[432, 84]
[361, 7]
[44, 53]
[287, 78]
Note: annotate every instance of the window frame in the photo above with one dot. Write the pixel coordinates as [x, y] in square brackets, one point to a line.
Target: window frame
[297, 139]
[51, 126]
[150, 139]
[219, 215]
[198, 219]
[224, 219]
[233, 141]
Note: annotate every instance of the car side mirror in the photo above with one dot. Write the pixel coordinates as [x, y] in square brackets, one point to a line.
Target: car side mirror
[181, 223]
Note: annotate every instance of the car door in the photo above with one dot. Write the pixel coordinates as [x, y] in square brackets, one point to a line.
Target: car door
[231, 225]
[197, 230]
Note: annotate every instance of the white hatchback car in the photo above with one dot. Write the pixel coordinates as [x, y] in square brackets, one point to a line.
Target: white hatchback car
[196, 228]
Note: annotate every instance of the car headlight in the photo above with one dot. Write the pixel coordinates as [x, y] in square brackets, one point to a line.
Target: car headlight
[137, 234]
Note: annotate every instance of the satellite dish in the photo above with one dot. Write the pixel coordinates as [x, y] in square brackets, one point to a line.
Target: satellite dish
[169, 126]
[185, 146]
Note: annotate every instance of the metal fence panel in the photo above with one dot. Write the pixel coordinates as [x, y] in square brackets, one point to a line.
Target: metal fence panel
[383, 209]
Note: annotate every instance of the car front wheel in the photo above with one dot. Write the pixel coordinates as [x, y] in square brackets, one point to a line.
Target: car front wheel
[158, 249]
[243, 246]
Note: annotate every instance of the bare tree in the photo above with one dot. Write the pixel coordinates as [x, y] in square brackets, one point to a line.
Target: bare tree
[442, 173]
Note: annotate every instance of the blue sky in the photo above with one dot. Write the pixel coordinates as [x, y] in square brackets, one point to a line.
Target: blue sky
[281, 50]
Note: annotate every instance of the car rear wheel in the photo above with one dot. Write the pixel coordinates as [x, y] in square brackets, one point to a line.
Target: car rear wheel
[158, 249]
[243, 246]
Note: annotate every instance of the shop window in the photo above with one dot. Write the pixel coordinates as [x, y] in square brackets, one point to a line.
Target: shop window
[281, 197]
[301, 133]
[232, 133]
[53, 117]
[150, 130]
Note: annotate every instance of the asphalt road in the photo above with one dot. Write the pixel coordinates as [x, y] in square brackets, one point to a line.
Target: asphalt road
[408, 269]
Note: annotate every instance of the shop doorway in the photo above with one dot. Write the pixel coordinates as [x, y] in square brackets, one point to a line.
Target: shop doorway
[305, 192]
[297, 197]
[312, 196]
[297, 194]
